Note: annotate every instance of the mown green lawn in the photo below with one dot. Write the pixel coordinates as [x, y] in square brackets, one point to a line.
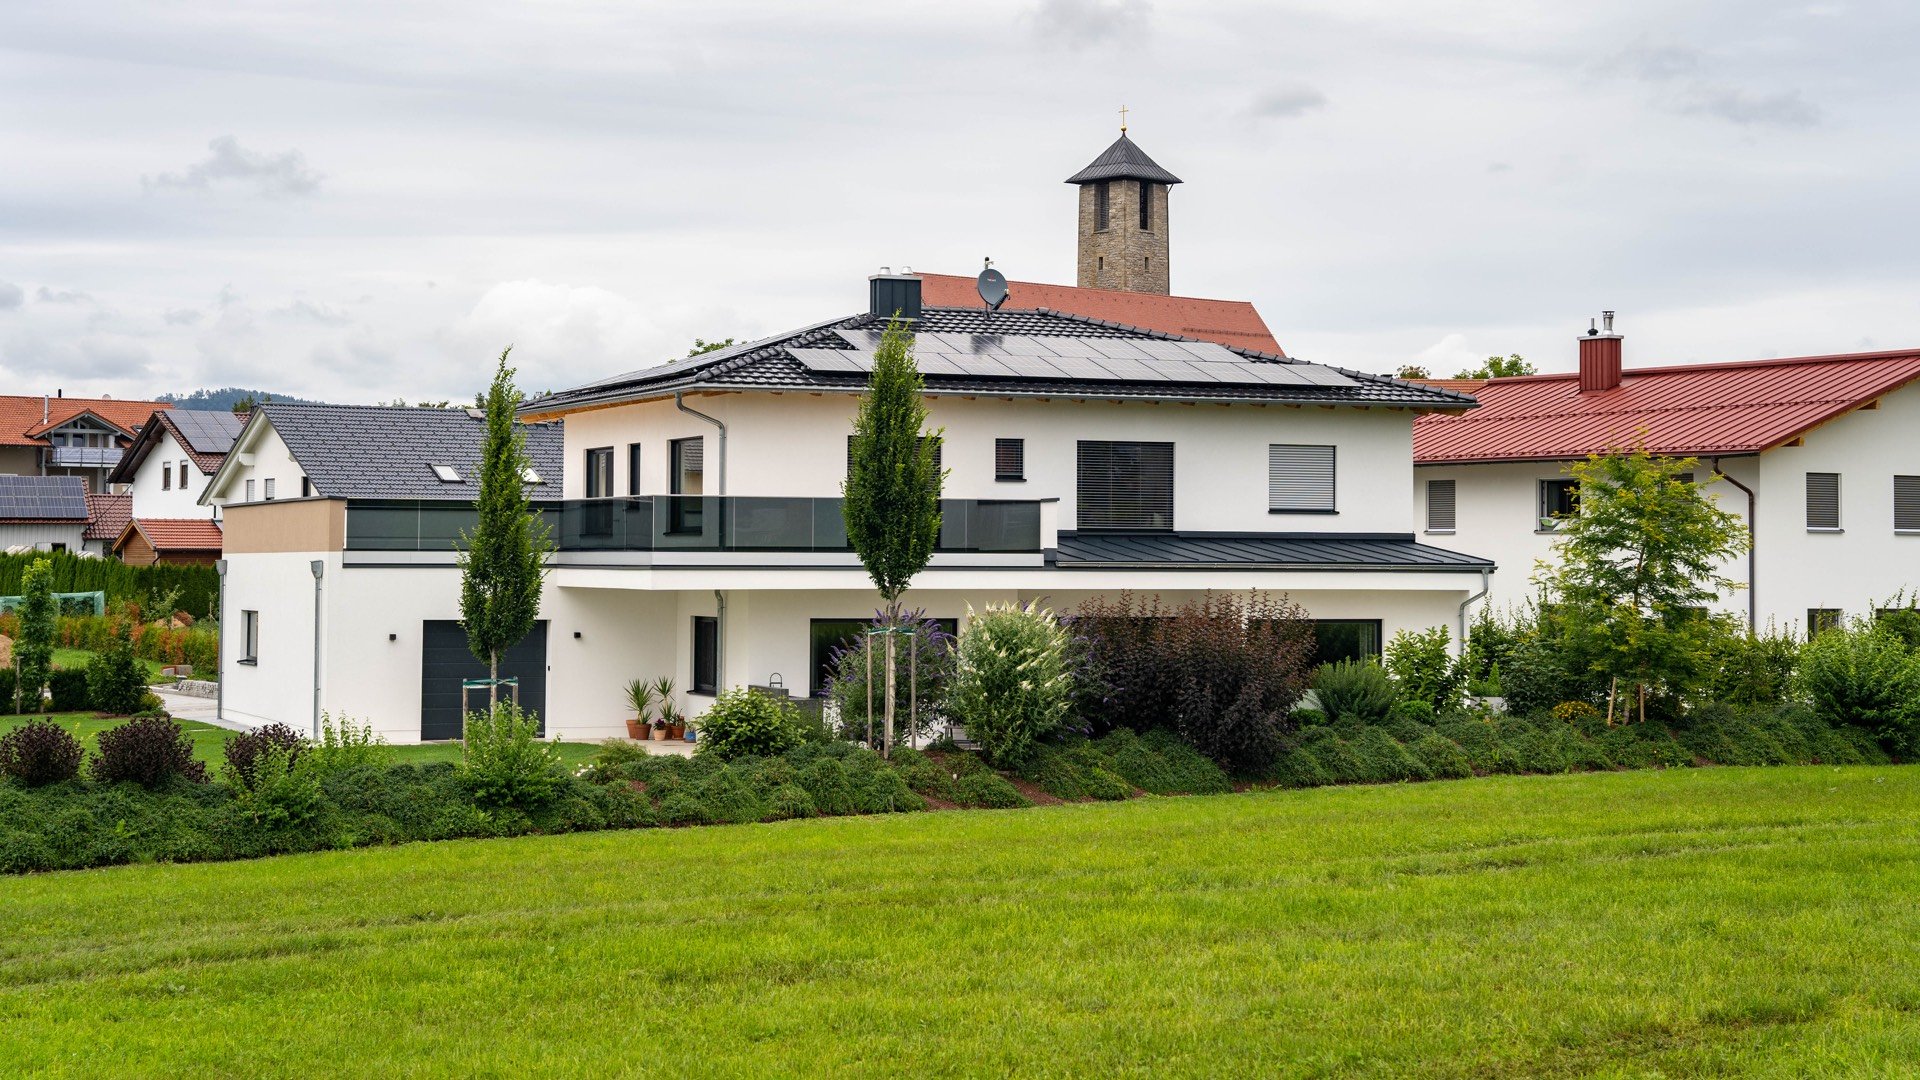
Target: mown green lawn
[72, 658]
[1756, 922]
[208, 740]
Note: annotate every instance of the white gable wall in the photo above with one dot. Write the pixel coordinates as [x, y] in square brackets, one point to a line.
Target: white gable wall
[265, 457]
[176, 499]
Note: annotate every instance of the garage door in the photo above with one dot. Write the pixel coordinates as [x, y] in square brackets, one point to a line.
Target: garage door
[445, 662]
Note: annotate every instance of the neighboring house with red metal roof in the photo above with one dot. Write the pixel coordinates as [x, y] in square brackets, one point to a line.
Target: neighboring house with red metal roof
[1233, 323]
[1819, 454]
[63, 436]
[174, 541]
[107, 518]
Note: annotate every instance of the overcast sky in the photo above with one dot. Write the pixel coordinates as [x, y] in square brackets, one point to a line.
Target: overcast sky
[362, 201]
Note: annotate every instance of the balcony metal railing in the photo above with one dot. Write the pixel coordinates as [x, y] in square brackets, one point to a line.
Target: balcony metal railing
[691, 523]
[86, 456]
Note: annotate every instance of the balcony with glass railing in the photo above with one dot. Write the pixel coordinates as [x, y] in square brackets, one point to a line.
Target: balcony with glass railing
[92, 457]
[692, 523]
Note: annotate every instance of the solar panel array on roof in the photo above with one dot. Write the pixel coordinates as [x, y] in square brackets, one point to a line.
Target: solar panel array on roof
[43, 498]
[206, 431]
[1085, 359]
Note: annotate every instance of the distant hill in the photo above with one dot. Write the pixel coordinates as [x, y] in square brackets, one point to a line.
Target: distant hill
[225, 398]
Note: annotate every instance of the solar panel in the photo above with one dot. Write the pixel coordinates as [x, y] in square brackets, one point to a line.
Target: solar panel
[1322, 376]
[835, 361]
[1074, 358]
[43, 497]
[206, 432]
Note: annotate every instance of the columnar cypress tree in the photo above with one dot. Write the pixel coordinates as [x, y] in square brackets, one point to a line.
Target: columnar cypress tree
[33, 653]
[505, 556]
[892, 490]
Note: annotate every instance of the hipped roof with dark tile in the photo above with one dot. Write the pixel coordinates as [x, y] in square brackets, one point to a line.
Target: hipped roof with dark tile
[769, 364]
[388, 452]
[1234, 323]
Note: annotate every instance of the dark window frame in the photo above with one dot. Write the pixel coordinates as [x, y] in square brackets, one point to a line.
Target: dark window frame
[1552, 510]
[1906, 505]
[1010, 461]
[1146, 205]
[1452, 488]
[706, 640]
[1111, 473]
[633, 469]
[249, 637]
[599, 473]
[1333, 479]
[1821, 620]
[1102, 206]
[1823, 524]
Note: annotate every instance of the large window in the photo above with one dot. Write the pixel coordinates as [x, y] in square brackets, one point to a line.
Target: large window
[633, 468]
[1299, 479]
[1345, 639]
[1823, 502]
[1125, 486]
[599, 472]
[1559, 500]
[249, 637]
[1440, 506]
[706, 655]
[826, 636]
[686, 478]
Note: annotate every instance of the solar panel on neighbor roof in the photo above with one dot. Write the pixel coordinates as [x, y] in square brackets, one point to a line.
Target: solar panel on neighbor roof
[42, 497]
[206, 432]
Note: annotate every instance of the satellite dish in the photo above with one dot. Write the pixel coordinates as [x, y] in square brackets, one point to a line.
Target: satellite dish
[993, 288]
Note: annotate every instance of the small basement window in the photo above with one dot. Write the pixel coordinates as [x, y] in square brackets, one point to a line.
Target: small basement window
[446, 473]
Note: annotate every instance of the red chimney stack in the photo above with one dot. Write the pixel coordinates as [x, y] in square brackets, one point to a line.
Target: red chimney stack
[1600, 358]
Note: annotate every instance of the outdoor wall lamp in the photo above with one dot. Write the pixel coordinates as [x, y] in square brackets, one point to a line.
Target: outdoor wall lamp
[576, 635]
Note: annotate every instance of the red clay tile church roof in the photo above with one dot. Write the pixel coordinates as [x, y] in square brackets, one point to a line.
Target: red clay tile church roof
[1234, 323]
[1693, 410]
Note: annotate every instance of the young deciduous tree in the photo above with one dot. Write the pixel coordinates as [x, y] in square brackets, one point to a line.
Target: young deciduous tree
[33, 653]
[1498, 367]
[504, 559]
[1638, 565]
[892, 490]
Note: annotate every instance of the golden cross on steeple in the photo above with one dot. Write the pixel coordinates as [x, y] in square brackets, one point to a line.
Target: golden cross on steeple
[1123, 119]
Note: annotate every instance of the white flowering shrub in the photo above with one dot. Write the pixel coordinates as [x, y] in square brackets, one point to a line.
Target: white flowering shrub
[1012, 682]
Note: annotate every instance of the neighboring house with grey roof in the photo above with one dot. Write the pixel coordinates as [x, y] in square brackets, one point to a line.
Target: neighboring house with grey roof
[698, 524]
[166, 467]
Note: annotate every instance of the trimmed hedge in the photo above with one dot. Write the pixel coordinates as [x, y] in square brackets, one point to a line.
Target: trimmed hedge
[199, 585]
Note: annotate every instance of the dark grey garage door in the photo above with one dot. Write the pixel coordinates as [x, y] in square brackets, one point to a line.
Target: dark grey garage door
[445, 662]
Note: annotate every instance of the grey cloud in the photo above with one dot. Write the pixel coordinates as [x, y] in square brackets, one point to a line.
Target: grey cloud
[1787, 110]
[181, 316]
[64, 296]
[307, 311]
[272, 175]
[91, 357]
[11, 296]
[1079, 23]
[1288, 102]
[1499, 167]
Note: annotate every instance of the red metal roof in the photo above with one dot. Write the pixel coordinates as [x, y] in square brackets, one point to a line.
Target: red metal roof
[1692, 410]
[175, 534]
[107, 516]
[1227, 322]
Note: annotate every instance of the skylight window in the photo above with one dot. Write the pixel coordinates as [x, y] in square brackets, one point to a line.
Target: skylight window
[447, 474]
[530, 476]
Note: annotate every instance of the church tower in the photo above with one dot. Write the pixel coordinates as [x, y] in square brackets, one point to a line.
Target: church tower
[1123, 220]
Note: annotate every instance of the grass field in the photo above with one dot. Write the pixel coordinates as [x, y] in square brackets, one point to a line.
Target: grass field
[208, 740]
[72, 658]
[1757, 922]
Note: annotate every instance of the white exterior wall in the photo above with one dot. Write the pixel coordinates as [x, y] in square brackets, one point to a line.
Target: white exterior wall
[1853, 570]
[1866, 563]
[176, 500]
[795, 444]
[42, 537]
[266, 457]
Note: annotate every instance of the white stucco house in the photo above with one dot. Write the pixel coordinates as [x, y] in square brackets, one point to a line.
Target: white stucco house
[1820, 456]
[699, 530]
[164, 471]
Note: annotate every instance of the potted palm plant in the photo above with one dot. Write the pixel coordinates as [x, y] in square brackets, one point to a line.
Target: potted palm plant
[663, 693]
[640, 695]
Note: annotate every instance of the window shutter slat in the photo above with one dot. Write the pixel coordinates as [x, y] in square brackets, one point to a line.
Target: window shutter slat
[1906, 503]
[1300, 478]
[1125, 486]
[1823, 500]
[1440, 505]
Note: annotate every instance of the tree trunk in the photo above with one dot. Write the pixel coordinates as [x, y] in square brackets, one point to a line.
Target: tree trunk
[493, 680]
[887, 747]
[1613, 689]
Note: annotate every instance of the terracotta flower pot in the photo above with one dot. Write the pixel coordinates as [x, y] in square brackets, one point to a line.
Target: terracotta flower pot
[636, 729]
[676, 731]
[659, 734]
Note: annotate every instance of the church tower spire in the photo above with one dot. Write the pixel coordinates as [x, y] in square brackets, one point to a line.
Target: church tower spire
[1123, 220]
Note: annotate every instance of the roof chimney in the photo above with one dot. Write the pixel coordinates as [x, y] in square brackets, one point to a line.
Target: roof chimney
[1600, 357]
[889, 292]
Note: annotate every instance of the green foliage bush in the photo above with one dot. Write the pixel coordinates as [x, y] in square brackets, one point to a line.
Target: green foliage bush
[929, 647]
[741, 722]
[504, 762]
[246, 752]
[1423, 668]
[1443, 758]
[116, 681]
[193, 587]
[1863, 676]
[1013, 680]
[1065, 774]
[40, 752]
[67, 690]
[147, 750]
[347, 744]
[988, 790]
[1160, 764]
[1358, 688]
